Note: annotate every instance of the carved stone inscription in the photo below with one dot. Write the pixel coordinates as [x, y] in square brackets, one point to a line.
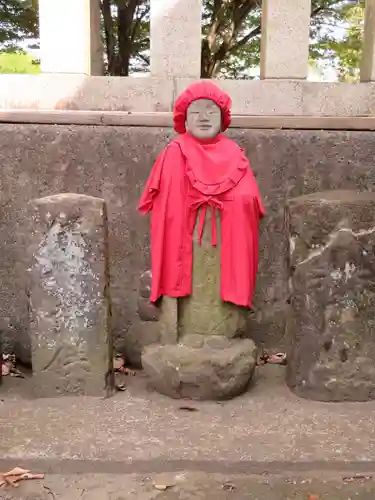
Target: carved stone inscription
[69, 295]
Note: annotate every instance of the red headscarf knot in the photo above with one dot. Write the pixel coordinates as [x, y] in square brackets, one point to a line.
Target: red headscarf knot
[201, 90]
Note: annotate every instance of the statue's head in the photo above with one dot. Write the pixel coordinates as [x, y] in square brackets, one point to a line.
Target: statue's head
[203, 110]
[203, 119]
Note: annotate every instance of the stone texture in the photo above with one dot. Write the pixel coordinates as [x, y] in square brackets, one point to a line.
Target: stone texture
[82, 51]
[79, 92]
[285, 25]
[137, 336]
[168, 320]
[203, 372]
[368, 48]
[146, 310]
[149, 94]
[175, 38]
[113, 163]
[69, 302]
[332, 243]
[165, 311]
[203, 312]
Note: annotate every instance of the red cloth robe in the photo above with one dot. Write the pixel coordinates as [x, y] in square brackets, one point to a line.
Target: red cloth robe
[215, 175]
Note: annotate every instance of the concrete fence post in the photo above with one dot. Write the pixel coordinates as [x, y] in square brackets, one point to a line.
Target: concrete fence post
[70, 40]
[285, 39]
[176, 38]
[368, 56]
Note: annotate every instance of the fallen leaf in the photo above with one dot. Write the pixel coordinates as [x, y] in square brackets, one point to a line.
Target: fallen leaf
[15, 475]
[356, 477]
[17, 471]
[161, 487]
[118, 362]
[12, 481]
[228, 487]
[188, 408]
[14, 372]
[126, 371]
[163, 481]
[313, 497]
[5, 369]
[277, 359]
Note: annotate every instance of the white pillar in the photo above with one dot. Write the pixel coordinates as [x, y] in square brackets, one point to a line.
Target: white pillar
[176, 38]
[368, 55]
[285, 39]
[70, 37]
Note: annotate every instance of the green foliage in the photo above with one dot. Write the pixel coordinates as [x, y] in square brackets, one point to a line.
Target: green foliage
[18, 22]
[340, 48]
[18, 62]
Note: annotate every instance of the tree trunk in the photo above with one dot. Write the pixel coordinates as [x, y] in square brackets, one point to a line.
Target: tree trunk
[125, 15]
[110, 38]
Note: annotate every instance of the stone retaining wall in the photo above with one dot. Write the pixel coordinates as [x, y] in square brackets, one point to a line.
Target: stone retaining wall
[113, 163]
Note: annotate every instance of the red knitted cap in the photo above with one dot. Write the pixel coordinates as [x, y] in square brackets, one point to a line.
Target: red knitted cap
[201, 90]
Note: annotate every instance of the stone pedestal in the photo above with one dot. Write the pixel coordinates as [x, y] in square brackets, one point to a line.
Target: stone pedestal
[69, 296]
[201, 367]
[332, 327]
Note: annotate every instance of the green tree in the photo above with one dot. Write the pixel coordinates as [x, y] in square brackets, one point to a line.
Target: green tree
[126, 29]
[232, 30]
[18, 22]
[341, 49]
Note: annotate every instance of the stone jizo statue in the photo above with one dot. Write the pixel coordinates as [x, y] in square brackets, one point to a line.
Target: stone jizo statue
[205, 210]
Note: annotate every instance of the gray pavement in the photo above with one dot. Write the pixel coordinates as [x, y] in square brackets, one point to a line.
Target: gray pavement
[267, 443]
[193, 486]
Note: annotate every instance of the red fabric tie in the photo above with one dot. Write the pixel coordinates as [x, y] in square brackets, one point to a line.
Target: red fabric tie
[204, 202]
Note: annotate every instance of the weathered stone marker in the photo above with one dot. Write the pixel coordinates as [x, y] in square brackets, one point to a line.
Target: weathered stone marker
[69, 296]
[332, 328]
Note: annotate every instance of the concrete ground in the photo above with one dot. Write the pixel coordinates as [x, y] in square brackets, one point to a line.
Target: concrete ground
[267, 444]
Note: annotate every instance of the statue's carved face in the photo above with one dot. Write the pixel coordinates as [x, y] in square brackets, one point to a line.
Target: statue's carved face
[203, 119]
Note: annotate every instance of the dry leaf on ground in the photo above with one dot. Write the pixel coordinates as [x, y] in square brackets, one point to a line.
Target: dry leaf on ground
[5, 370]
[356, 477]
[15, 475]
[118, 362]
[164, 481]
[228, 487]
[188, 408]
[119, 366]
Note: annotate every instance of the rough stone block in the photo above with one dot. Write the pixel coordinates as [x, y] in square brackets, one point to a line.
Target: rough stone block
[332, 262]
[69, 295]
[214, 369]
